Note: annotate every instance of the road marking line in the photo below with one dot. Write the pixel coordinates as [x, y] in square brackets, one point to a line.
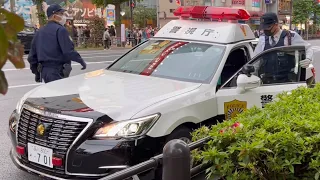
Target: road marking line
[25, 85]
[98, 56]
[88, 63]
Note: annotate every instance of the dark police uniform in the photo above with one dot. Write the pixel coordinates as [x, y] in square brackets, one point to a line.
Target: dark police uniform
[276, 67]
[52, 48]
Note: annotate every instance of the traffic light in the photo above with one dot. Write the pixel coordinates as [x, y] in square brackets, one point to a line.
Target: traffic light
[133, 5]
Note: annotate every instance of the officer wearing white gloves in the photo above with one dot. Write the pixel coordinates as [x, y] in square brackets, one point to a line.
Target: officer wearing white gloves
[276, 37]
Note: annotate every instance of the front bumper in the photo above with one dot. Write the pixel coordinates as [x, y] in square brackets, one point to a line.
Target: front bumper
[89, 158]
[15, 160]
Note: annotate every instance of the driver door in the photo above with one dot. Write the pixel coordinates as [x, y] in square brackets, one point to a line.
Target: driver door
[281, 63]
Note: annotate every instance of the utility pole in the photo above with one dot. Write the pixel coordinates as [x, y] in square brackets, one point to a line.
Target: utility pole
[291, 13]
[131, 15]
[158, 14]
[12, 5]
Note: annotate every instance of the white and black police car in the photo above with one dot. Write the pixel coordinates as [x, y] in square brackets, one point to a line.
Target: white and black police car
[195, 71]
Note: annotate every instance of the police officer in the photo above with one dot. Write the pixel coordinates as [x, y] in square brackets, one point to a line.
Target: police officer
[52, 49]
[274, 36]
[277, 68]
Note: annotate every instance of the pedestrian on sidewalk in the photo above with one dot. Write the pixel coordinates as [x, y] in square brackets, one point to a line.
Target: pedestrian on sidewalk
[106, 39]
[112, 33]
[52, 49]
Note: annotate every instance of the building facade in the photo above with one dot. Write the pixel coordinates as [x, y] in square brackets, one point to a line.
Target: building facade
[255, 8]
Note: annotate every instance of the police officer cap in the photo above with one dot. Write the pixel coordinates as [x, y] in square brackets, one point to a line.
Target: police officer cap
[268, 19]
[53, 9]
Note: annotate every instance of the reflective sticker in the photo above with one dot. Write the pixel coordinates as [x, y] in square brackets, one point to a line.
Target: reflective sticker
[94, 73]
[243, 30]
[232, 108]
[77, 99]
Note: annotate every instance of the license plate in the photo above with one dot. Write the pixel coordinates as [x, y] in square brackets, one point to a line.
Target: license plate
[40, 155]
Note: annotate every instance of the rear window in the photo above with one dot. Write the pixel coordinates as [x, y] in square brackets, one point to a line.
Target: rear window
[178, 60]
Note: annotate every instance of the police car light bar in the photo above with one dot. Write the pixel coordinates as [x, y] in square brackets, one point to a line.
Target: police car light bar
[209, 12]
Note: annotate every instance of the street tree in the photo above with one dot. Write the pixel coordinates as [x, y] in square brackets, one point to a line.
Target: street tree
[10, 48]
[141, 14]
[303, 10]
[117, 4]
[97, 25]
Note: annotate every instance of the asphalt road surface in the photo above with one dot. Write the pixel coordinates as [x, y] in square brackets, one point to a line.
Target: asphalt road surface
[21, 81]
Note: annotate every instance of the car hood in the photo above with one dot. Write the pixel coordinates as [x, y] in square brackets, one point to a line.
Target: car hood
[115, 94]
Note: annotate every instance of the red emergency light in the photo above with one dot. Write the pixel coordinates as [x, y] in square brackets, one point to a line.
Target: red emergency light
[209, 12]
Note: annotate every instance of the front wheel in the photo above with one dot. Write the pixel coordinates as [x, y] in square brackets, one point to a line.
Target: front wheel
[182, 133]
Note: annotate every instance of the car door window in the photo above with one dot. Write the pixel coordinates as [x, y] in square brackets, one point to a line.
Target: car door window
[235, 61]
[278, 66]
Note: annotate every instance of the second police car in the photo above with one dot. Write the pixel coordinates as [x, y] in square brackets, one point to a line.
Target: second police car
[91, 125]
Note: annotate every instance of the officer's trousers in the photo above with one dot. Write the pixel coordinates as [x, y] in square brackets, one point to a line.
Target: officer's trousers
[50, 74]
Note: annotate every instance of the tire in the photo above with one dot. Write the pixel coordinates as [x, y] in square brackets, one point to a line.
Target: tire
[182, 133]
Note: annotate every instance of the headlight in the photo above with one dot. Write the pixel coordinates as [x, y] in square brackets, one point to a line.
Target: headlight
[129, 128]
[13, 121]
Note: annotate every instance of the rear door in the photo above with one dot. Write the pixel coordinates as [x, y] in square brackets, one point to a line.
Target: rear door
[230, 102]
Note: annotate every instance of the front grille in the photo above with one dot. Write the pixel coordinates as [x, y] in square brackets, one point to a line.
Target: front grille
[60, 134]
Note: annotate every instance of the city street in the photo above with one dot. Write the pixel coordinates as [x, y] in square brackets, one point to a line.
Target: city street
[21, 81]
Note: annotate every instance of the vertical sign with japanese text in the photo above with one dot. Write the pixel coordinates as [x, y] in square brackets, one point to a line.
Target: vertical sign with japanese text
[268, 1]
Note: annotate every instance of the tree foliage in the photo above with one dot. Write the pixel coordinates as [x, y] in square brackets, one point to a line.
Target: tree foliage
[303, 10]
[281, 141]
[141, 14]
[10, 48]
[97, 25]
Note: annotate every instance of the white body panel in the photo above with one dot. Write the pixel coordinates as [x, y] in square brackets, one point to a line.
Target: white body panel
[218, 32]
[252, 97]
[119, 95]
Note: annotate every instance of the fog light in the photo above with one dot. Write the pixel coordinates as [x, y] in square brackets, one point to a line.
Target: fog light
[56, 161]
[20, 150]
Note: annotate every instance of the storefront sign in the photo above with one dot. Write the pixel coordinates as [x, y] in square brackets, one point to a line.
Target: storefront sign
[256, 3]
[110, 13]
[284, 7]
[238, 2]
[79, 10]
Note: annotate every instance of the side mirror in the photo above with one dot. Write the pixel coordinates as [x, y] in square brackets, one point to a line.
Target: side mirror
[245, 82]
[248, 69]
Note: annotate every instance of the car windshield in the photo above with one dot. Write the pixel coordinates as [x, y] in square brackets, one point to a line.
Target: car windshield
[178, 60]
